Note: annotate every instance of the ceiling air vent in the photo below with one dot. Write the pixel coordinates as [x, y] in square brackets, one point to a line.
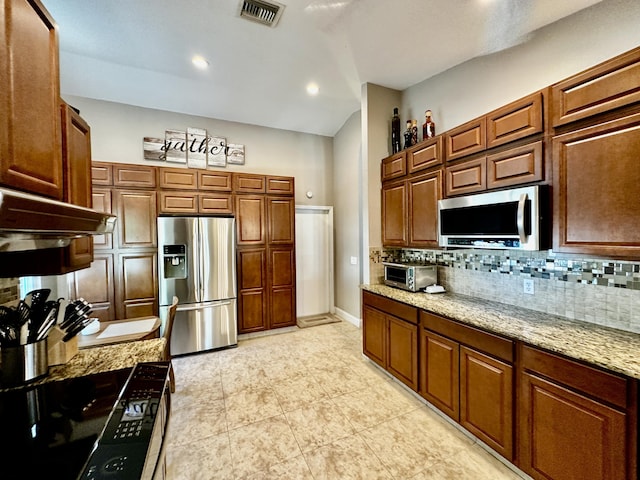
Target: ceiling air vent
[261, 11]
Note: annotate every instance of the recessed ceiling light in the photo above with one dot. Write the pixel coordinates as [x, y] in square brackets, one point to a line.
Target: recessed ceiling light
[313, 89]
[199, 62]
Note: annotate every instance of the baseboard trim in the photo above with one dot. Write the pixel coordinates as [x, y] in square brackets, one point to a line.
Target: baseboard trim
[348, 317]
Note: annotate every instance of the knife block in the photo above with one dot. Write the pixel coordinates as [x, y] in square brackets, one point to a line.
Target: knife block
[60, 352]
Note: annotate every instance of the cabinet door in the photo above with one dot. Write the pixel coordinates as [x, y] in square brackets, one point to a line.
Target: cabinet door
[252, 302]
[250, 219]
[102, 203]
[467, 177]
[180, 178]
[425, 155]
[486, 400]
[394, 166]
[466, 139]
[217, 181]
[439, 372]
[516, 120]
[566, 436]
[596, 174]
[178, 202]
[282, 275]
[30, 151]
[136, 210]
[137, 286]
[95, 285]
[219, 203]
[76, 159]
[101, 173]
[138, 176]
[280, 185]
[374, 335]
[281, 217]
[424, 193]
[249, 183]
[515, 166]
[394, 214]
[402, 357]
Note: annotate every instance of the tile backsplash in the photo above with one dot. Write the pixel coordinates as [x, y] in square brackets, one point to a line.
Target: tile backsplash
[606, 292]
[8, 290]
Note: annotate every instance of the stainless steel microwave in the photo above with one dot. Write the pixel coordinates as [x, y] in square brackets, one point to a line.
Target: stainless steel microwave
[409, 277]
[517, 218]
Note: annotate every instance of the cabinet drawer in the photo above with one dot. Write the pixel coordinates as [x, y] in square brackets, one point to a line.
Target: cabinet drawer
[182, 178]
[247, 183]
[607, 86]
[515, 166]
[215, 203]
[397, 309]
[425, 155]
[134, 176]
[219, 181]
[467, 335]
[394, 166]
[178, 202]
[516, 120]
[591, 381]
[466, 177]
[101, 173]
[466, 139]
[280, 185]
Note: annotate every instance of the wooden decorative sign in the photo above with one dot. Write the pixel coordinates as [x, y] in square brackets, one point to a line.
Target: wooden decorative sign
[175, 146]
[154, 148]
[197, 148]
[235, 154]
[217, 152]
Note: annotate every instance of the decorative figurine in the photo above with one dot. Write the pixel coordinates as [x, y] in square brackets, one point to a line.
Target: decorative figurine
[429, 127]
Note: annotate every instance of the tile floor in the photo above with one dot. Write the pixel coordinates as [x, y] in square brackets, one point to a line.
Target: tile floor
[307, 405]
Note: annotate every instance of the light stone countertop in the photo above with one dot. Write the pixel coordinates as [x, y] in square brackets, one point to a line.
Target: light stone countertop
[615, 350]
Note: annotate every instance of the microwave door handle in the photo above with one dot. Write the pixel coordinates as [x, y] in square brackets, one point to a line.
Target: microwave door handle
[520, 218]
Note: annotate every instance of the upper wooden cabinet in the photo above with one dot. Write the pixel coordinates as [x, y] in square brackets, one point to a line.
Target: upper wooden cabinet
[425, 155]
[466, 139]
[30, 150]
[250, 219]
[249, 183]
[519, 119]
[466, 177]
[136, 211]
[214, 180]
[394, 214]
[102, 173]
[181, 178]
[607, 86]
[280, 217]
[102, 203]
[137, 176]
[394, 166]
[423, 193]
[280, 185]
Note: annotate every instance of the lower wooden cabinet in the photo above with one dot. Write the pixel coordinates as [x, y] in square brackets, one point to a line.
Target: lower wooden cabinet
[390, 340]
[282, 301]
[440, 372]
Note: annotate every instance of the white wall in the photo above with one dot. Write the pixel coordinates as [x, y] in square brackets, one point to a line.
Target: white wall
[555, 52]
[347, 185]
[117, 133]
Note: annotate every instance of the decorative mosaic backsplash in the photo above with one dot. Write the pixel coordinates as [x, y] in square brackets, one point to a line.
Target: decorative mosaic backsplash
[606, 292]
[8, 290]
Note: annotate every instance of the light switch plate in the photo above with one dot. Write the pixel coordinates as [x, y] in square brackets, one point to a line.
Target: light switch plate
[354, 260]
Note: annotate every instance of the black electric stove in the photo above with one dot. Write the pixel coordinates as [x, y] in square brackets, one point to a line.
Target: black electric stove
[50, 431]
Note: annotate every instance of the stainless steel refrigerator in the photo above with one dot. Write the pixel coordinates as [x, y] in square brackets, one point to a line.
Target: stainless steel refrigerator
[196, 262]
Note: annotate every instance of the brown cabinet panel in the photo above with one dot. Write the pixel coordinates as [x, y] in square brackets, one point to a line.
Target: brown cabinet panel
[251, 311]
[402, 357]
[178, 202]
[515, 166]
[281, 270]
[252, 296]
[95, 285]
[565, 435]
[394, 166]
[387, 305]
[486, 400]
[425, 155]
[374, 335]
[281, 216]
[466, 177]
[516, 120]
[596, 174]
[218, 181]
[604, 87]
[439, 372]
[139, 176]
[101, 173]
[251, 268]
[424, 193]
[281, 267]
[249, 183]
[283, 313]
[136, 210]
[180, 178]
[250, 218]
[280, 185]
[394, 214]
[137, 287]
[215, 203]
[466, 139]
[102, 203]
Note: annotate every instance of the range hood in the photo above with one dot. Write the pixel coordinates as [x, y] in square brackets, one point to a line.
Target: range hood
[30, 222]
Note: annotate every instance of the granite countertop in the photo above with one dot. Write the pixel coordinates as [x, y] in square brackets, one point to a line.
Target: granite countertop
[615, 350]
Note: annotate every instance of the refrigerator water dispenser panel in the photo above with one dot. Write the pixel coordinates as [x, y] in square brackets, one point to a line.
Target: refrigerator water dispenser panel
[175, 261]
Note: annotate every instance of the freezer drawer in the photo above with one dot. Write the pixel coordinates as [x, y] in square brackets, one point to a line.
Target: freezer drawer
[203, 326]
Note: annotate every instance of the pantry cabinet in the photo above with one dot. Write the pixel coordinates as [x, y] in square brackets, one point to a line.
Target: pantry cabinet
[252, 289]
[30, 124]
[281, 268]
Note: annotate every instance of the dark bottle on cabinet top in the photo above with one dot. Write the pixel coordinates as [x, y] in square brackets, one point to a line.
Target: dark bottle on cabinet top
[395, 132]
[408, 135]
[429, 127]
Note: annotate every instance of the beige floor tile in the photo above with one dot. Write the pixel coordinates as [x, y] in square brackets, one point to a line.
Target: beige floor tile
[293, 469]
[250, 406]
[338, 380]
[346, 459]
[240, 378]
[298, 392]
[318, 424]
[257, 447]
[206, 459]
[194, 417]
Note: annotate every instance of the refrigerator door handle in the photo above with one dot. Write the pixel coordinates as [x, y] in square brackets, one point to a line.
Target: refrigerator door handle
[188, 308]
